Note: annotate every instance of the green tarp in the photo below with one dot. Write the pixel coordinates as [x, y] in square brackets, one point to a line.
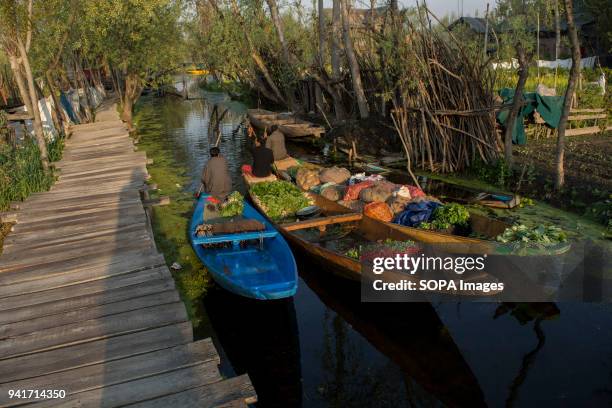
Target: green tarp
[549, 108]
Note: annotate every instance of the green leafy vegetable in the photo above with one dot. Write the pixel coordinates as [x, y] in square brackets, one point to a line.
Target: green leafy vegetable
[546, 235]
[233, 206]
[447, 216]
[279, 199]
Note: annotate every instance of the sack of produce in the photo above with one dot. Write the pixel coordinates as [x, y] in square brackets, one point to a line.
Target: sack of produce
[411, 190]
[307, 178]
[337, 175]
[352, 192]
[379, 211]
[332, 192]
[380, 191]
[397, 203]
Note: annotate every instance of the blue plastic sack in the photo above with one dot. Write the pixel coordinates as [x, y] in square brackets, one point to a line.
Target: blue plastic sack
[415, 213]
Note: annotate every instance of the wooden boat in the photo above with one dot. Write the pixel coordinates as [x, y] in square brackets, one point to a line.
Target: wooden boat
[478, 225]
[291, 126]
[321, 249]
[496, 200]
[255, 264]
[198, 71]
[265, 119]
[301, 128]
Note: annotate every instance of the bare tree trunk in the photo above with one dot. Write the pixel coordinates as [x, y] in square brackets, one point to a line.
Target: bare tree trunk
[279, 98]
[56, 102]
[335, 46]
[516, 103]
[362, 103]
[336, 60]
[321, 34]
[21, 86]
[571, 87]
[278, 25]
[38, 128]
[133, 88]
[557, 37]
[279, 29]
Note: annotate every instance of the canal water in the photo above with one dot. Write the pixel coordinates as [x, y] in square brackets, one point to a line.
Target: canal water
[324, 348]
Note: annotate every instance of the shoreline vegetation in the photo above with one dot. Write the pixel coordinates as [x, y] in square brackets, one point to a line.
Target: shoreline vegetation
[170, 222]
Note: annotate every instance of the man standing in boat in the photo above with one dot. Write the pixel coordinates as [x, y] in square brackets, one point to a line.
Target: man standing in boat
[215, 178]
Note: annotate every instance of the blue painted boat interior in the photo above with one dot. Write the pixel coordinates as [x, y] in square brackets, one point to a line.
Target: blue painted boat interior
[264, 268]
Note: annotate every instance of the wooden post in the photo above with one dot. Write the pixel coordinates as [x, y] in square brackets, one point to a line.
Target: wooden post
[516, 103]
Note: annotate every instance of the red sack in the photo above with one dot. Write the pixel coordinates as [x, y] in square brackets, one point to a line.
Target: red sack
[414, 191]
[379, 211]
[352, 192]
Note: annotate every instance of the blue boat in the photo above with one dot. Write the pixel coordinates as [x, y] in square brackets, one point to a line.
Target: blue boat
[258, 265]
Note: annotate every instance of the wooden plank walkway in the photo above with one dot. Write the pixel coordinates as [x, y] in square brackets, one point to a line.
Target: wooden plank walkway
[87, 304]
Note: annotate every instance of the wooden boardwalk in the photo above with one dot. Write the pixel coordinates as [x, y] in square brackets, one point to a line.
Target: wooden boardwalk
[87, 304]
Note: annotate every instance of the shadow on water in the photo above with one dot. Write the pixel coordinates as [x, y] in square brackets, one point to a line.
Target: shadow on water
[261, 339]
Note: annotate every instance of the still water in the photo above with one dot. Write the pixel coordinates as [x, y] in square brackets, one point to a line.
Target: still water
[324, 348]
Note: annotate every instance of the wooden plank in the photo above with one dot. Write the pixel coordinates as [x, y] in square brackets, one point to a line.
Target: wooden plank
[8, 217]
[142, 389]
[94, 352]
[95, 329]
[587, 110]
[138, 240]
[584, 131]
[75, 247]
[119, 371]
[320, 222]
[212, 395]
[74, 234]
[107, 262]
[83, 314]
[586, 117]
[60, 300]
[92, 214]
[63, 205]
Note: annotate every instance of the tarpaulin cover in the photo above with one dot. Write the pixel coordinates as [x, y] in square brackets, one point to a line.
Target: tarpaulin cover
[549, 108]
[415, 213]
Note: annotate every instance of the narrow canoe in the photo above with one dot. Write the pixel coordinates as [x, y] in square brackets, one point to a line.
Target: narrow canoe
[264, 119]
[257, 265]
[301, 128]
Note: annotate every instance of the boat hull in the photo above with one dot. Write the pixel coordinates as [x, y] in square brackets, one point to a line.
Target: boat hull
[264, 272]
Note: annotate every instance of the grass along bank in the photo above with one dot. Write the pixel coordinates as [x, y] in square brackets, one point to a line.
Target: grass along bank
[171, 222]
[21, 174]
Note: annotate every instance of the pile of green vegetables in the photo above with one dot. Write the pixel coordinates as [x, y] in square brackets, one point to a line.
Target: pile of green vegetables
[386, 248]
[542, 235]
[279, 199]
[447, 216]
[233, 206]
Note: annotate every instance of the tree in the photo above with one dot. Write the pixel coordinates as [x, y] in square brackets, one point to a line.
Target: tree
[362, 102]
[16, 31]
[516, 102]
[140, 38]
[569, 92]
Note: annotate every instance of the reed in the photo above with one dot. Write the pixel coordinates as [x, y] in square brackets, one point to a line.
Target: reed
[21, 171]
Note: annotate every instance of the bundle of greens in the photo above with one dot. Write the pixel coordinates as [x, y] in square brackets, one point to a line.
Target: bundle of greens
[447, 216]
[233, 205]
[386, 248]
[279, 199]
[543, 235]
